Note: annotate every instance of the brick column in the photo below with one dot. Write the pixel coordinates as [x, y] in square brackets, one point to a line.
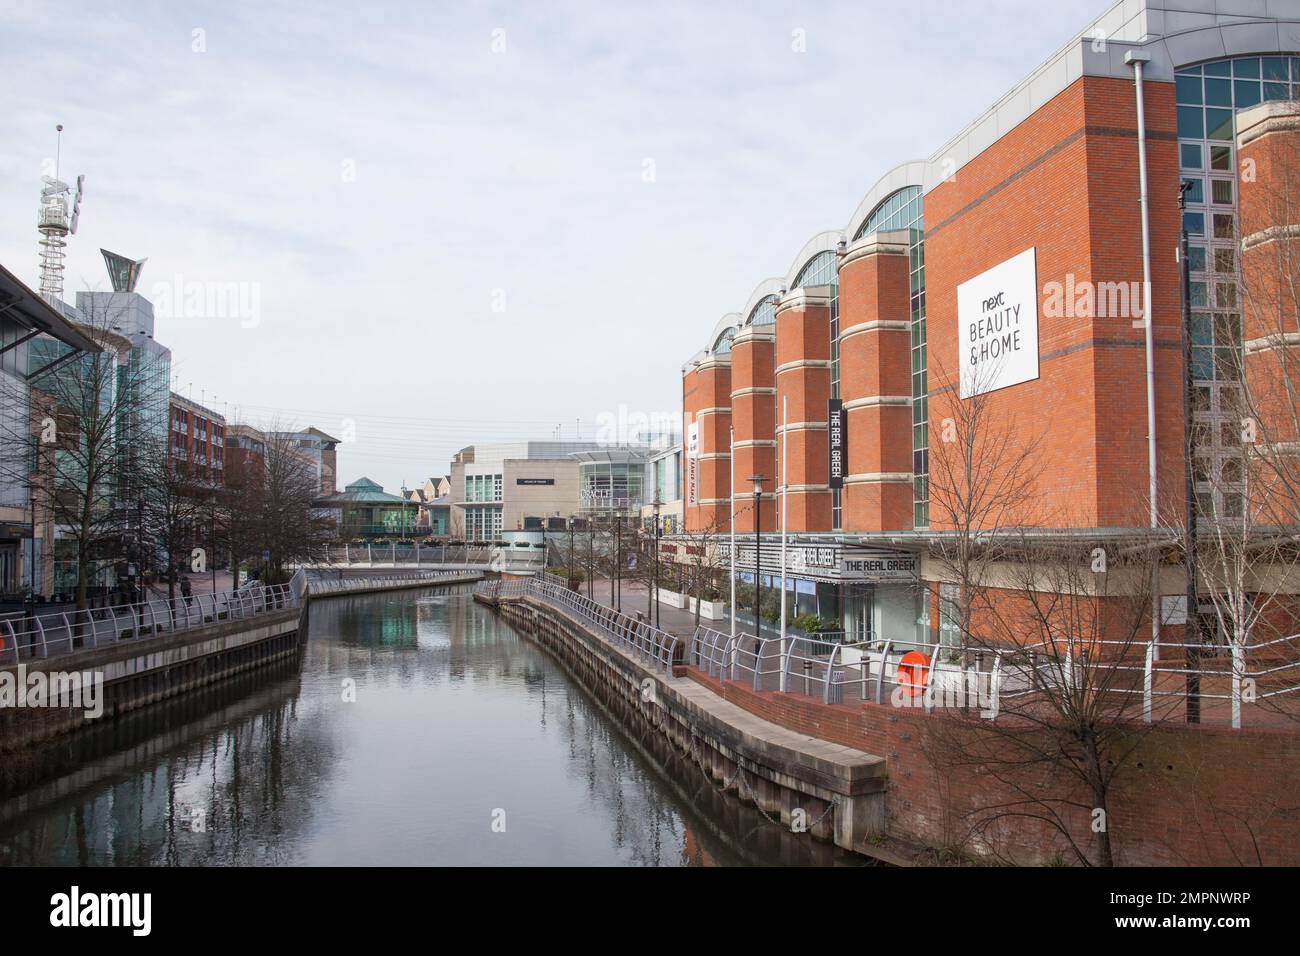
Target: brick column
[1268, 163]
[709, 405]
[876, 384]
[803, 382]
[753, 393]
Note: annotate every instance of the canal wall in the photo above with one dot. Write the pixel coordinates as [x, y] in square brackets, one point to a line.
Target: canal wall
[835, 792]
[142, 672]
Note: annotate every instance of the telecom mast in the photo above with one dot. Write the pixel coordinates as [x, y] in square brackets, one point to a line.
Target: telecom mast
[55, 223]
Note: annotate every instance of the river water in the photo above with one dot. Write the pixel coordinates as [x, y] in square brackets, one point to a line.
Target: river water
[418, 729]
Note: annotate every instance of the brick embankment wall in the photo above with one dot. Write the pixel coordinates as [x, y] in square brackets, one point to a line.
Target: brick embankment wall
[1185, 796]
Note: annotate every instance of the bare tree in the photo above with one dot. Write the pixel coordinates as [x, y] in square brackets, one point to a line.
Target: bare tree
[983, 476]
[176, 501]
[1065, 706]
[1247, 466]
[290, 529]
[105, 409]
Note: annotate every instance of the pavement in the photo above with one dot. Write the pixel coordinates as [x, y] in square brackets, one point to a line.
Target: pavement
[674, 620]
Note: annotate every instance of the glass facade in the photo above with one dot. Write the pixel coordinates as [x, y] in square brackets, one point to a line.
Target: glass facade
[482, 524]
[612, 486]
[903, 211]
[482, 488]
[1208, 97]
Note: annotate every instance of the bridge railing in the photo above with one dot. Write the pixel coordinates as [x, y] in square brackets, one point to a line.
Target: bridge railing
[365, 555]
[324, 586]
[64, 633]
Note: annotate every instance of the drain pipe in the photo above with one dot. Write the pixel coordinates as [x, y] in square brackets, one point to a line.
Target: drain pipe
[1138, 59]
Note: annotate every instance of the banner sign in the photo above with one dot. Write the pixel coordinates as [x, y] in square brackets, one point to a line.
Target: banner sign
[692, 463]
[997, 325]
[838, 444]
[534, 481]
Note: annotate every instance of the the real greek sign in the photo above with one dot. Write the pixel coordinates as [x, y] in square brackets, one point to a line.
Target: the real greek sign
[997, 321]
[838, 443]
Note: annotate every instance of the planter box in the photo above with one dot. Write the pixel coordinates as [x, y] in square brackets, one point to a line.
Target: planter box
[672, 598]
[710, 610]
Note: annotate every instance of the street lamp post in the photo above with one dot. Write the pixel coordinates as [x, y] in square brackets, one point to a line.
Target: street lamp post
[657, 504]
[758, 553]
[618, 561]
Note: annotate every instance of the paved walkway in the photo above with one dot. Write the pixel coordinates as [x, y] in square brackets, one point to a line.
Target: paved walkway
[674, 620]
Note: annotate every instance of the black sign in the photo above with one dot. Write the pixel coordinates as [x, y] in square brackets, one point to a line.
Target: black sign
[839, 441]
[534, 481]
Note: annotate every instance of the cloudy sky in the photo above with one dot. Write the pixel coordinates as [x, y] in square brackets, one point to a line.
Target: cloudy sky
[420, 225]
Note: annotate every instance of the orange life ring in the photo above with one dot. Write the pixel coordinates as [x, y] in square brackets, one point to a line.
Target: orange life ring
[913, 668]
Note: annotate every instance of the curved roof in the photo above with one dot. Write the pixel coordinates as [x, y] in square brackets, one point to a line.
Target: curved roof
[365, 491]
[1220, 29]
[900, 177]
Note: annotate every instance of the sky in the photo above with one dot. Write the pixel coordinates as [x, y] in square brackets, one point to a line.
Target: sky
[420, 226]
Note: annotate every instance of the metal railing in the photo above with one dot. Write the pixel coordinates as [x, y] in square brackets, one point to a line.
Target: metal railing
[658, 648]
[58, 634]
[394, 554]
[323, 587]
[937, 676]
[1228, 682]
[830, 671]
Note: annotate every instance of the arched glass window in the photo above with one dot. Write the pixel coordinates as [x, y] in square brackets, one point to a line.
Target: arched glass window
[821, 269]
[900, 210]
[764, 313]
[723, 345]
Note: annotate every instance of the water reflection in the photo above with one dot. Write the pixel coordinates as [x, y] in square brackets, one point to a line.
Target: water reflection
[418, 729]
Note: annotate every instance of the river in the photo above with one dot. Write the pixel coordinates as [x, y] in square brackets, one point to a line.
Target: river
[417, 729]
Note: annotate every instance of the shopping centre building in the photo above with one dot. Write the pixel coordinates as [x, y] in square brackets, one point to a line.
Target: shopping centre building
[1030, 264]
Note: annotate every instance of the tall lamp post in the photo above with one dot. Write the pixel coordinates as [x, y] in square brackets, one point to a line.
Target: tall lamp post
[657, 504]
[1192, 628]
[758, 553]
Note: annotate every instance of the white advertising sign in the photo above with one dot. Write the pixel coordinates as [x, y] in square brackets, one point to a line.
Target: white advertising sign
[997, 325]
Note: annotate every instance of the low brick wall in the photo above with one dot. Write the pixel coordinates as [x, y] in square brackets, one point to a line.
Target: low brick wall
[1191, 796]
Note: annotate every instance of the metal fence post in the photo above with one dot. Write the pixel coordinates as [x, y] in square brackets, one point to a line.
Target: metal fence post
[880, 676]
[13, 639]
[1148, 681]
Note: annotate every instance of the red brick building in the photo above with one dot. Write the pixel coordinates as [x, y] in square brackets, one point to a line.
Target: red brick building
[1010, 269]
[197, 441]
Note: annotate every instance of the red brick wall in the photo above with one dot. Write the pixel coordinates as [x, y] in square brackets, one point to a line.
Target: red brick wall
[803, 386]
[705, 390]
[1192, 796]
[1269, 183]
[754, 418]
[875, 363]
[1065, 181]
